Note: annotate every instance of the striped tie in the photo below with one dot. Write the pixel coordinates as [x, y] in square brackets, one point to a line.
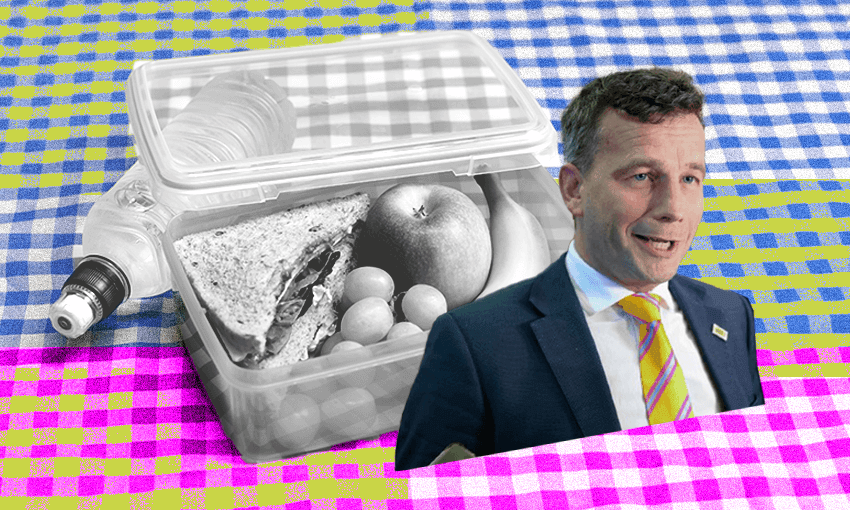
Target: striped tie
[664, 388]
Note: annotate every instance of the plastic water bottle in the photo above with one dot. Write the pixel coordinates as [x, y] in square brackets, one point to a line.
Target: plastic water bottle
[235, 116]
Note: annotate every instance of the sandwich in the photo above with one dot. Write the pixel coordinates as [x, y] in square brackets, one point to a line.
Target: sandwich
[271, 285]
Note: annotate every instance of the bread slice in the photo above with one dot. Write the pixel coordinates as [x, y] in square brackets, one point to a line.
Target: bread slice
[271, 285]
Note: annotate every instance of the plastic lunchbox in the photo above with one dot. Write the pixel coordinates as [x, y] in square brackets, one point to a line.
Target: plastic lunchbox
[371, 113]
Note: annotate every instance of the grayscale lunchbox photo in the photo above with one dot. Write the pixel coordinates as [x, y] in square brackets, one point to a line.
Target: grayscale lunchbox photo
[364, 188]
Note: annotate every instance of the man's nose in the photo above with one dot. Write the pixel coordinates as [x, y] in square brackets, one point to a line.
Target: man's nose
[670, 201]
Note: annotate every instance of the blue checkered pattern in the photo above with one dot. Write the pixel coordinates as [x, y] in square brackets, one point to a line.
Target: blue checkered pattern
[785, 185]
[773, 78]
[779, 70]
[733, 270]
[764, 240]
[775, 74]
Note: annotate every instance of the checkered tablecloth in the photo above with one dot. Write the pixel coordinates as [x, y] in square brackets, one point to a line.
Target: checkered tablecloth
[775, 73]
[123, 420]
[792, 453]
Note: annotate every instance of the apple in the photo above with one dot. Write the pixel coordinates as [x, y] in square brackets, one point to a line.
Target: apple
[431, 234]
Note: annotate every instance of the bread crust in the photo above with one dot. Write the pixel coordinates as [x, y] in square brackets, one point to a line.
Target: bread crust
[239, 273]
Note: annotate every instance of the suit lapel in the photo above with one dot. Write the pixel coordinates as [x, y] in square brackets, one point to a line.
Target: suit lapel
[568, 347]
[716, 352]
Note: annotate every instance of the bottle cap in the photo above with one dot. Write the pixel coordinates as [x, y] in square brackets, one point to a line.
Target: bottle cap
[93, 291]
[72, 314]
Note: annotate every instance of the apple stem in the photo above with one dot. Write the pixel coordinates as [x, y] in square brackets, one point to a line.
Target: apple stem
[420, 213]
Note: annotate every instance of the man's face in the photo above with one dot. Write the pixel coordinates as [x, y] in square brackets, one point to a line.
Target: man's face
[638, 208]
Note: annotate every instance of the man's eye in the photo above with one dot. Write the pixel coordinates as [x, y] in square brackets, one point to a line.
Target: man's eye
[690, 179]
[641, 177]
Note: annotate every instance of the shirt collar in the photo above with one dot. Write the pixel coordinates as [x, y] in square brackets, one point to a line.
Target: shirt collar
[596, 292]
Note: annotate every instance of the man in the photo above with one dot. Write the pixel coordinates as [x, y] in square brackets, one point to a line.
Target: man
[609, 337]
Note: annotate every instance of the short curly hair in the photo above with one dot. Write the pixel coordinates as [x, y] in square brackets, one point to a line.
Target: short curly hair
[649, 95]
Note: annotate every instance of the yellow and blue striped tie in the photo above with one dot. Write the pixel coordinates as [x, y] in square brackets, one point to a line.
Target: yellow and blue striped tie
[664, 388]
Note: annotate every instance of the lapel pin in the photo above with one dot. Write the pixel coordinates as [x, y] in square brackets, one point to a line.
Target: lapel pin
[719, 332]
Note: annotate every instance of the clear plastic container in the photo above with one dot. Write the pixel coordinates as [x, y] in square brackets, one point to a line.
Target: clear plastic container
[365, 109]
[314, 404]
[432, 107]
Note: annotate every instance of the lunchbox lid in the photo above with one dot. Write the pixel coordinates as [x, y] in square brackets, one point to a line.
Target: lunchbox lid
[365, 109]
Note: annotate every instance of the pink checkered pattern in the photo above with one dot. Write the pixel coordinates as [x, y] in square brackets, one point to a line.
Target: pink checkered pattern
[804, 356]
[145, 406]
[134, 420]
[792, 453]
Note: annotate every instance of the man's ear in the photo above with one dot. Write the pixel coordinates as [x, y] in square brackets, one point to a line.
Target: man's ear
[570, 181]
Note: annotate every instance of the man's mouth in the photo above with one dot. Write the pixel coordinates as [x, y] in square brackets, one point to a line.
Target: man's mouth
[657, 242]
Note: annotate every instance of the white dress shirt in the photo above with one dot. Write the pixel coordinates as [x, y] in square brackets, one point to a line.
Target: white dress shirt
[616, 336]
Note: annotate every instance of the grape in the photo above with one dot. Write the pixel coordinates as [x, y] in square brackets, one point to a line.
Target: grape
[298, 421]
[367, 321]
[401, 329]
[319, 389]
[346, 345]
[422, 304]
[361, 377]
[350, 412]
[330, 343]
[366, 281]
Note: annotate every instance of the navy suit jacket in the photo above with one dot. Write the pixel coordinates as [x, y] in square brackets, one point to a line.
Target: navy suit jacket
[519, 368]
